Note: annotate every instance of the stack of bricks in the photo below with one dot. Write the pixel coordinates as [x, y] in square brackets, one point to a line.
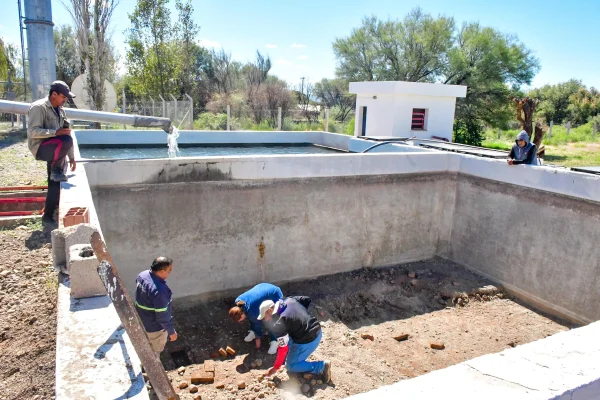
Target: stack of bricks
[206, 375]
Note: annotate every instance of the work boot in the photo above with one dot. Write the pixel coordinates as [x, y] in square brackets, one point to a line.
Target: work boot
[57, 175]
[273, 347]
[49, 223]
[327, 372]
[251, 336]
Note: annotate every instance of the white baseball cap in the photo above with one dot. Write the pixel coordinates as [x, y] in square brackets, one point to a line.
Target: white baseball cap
[264, 307]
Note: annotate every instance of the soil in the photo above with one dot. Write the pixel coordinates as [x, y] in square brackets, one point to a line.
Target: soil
[434, 302]
[28, 294]
[28, 288]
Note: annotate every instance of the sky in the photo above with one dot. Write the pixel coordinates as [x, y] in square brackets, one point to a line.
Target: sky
[298, 35]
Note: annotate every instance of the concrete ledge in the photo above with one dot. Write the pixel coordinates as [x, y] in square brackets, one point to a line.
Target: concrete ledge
[94, 356]
[563, 366]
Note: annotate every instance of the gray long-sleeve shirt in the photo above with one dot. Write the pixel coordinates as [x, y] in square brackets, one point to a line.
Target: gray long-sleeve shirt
[43, 124]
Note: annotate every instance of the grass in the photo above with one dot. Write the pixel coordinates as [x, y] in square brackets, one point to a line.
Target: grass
[17, 165]
[576, 149]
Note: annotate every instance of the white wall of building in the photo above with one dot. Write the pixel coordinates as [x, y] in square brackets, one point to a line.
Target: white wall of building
[390, 106]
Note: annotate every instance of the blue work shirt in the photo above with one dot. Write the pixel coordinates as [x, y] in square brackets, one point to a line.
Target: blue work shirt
[153, 303]
[252, 300]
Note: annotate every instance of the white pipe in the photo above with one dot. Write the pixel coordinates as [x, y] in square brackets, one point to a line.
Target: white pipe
[15, 107]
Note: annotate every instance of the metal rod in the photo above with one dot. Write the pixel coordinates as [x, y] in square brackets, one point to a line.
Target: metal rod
[129, 318]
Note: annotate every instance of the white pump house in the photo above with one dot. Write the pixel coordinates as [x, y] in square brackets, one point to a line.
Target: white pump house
[405, 109]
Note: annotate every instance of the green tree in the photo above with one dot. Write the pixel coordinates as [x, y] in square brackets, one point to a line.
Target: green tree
[68, 59]
[151, 57]
[555, 100]
[333, 93]
[413, 50]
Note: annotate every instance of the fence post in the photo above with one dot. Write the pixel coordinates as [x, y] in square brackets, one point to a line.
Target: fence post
[228, 116]
[550, 130]
[499, 133]
[164, 106]
[278, 118]
[175, 112]
[124, 106]
[568, 127]
[326, 119]
[153, 110]
[191, 111]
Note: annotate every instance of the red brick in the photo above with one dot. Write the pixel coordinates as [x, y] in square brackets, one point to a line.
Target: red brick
[202, 377]
[209, 366]
[223, 352]
[438, 346]
[402, 337]
[367, 336]
[230, 351]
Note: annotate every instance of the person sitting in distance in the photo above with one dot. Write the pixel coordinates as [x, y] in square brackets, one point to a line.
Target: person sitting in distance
[523, 151]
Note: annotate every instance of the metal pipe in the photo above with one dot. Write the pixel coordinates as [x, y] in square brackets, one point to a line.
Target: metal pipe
[382, 143]
[139, 121]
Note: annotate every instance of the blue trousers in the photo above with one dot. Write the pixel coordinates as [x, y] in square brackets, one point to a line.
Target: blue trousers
[297, 355]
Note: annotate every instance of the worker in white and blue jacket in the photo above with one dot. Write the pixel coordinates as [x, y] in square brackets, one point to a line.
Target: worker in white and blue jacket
[247, 306]
[153, 303]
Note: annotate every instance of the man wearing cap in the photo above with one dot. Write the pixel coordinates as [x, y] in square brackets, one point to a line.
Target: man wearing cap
[247, 307]
[298, 336]
[49, 139]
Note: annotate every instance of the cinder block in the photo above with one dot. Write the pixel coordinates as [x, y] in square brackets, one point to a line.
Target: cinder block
[63, 239]
[83, 274]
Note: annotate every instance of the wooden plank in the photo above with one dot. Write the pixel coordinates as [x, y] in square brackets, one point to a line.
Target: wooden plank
[129, 317]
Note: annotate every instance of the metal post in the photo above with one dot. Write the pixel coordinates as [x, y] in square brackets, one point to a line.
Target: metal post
[175, 117]
[191, 111]
[550, 130]
[124, 105]
[131, 322]
[279, 118]
[164, 106]
[568, 127]
[499, 133]
[228, 116]
[153, 110]
[327, 120]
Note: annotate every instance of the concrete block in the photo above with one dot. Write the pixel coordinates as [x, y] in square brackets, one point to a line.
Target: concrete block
[82, 266]
[63, 239]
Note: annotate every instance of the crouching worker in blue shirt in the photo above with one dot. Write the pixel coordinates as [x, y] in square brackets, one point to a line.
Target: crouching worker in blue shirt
[153, 303]
[247, 306]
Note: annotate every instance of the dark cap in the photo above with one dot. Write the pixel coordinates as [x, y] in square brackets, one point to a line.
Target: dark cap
[62, 88]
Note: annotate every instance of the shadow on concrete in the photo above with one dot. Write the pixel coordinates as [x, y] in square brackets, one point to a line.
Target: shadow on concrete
[137, 381]
[89, 303]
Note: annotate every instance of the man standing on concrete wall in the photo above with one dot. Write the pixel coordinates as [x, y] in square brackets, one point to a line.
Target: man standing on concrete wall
[298, 336]
[49, 139]
[247, 307]
[153, 303]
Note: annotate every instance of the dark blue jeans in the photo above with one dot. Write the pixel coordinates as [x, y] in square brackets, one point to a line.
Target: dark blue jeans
[297, 355]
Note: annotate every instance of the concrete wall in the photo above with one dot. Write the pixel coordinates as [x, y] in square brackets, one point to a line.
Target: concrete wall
[93, 137]
[541, 245]
[489, 211]
[224, 235]
[391, 115]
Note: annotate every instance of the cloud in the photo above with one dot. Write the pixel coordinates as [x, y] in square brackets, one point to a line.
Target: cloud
[302, 57]
[209, 43]
[271, 46]
[298, 46]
